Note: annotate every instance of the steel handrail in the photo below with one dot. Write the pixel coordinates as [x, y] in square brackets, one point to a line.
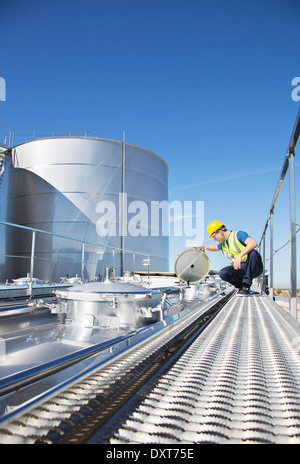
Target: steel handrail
[35, 231]
[289, 163]
[32, 229]
[11, 135]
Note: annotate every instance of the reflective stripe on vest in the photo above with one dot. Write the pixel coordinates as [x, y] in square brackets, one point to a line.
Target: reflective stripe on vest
[232, 247]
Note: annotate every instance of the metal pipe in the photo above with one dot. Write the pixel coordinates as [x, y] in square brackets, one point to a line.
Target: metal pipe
[82, 260]
[293, 261]
[133, 257]
[291, 147]
[271, 256]
[32, 254]
[18, 226]
[122, 207]
[264, 261]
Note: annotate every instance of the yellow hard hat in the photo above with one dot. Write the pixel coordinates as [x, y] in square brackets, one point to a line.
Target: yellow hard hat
[214, 226]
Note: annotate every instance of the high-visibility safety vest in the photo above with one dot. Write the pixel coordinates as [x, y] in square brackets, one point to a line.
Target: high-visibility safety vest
[232, 247]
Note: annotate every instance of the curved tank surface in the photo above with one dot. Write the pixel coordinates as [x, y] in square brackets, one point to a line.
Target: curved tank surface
[94, 190]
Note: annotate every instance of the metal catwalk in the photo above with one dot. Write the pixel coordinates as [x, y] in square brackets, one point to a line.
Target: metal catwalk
[239, 382]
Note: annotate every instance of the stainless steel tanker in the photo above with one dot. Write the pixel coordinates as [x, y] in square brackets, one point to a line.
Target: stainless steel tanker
[65, 185]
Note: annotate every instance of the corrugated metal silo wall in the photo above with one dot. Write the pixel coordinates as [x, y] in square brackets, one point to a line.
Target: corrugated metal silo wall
[62, 185]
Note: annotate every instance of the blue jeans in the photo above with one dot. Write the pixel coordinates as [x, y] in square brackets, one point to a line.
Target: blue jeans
[252, 268]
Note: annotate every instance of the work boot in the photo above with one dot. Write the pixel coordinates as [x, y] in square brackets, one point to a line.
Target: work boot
[244, 291]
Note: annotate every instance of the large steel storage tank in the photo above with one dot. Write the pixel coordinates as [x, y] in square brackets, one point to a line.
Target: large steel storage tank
[80, 187]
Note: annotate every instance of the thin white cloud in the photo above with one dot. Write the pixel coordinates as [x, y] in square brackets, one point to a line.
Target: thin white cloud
[180, 218]
[225, 179]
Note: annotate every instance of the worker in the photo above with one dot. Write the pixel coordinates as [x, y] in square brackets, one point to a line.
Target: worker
[239, 247]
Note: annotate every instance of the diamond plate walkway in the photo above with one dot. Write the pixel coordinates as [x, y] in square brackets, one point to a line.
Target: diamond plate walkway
[239, 382]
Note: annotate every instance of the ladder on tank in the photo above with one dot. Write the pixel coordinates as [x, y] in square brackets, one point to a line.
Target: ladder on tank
[4, 160]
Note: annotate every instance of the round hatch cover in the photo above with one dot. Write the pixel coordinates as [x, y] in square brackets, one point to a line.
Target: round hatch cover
[93, 290]
[192, 265]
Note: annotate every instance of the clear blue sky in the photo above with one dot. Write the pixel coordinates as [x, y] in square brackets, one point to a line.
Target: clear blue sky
[206, 84]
